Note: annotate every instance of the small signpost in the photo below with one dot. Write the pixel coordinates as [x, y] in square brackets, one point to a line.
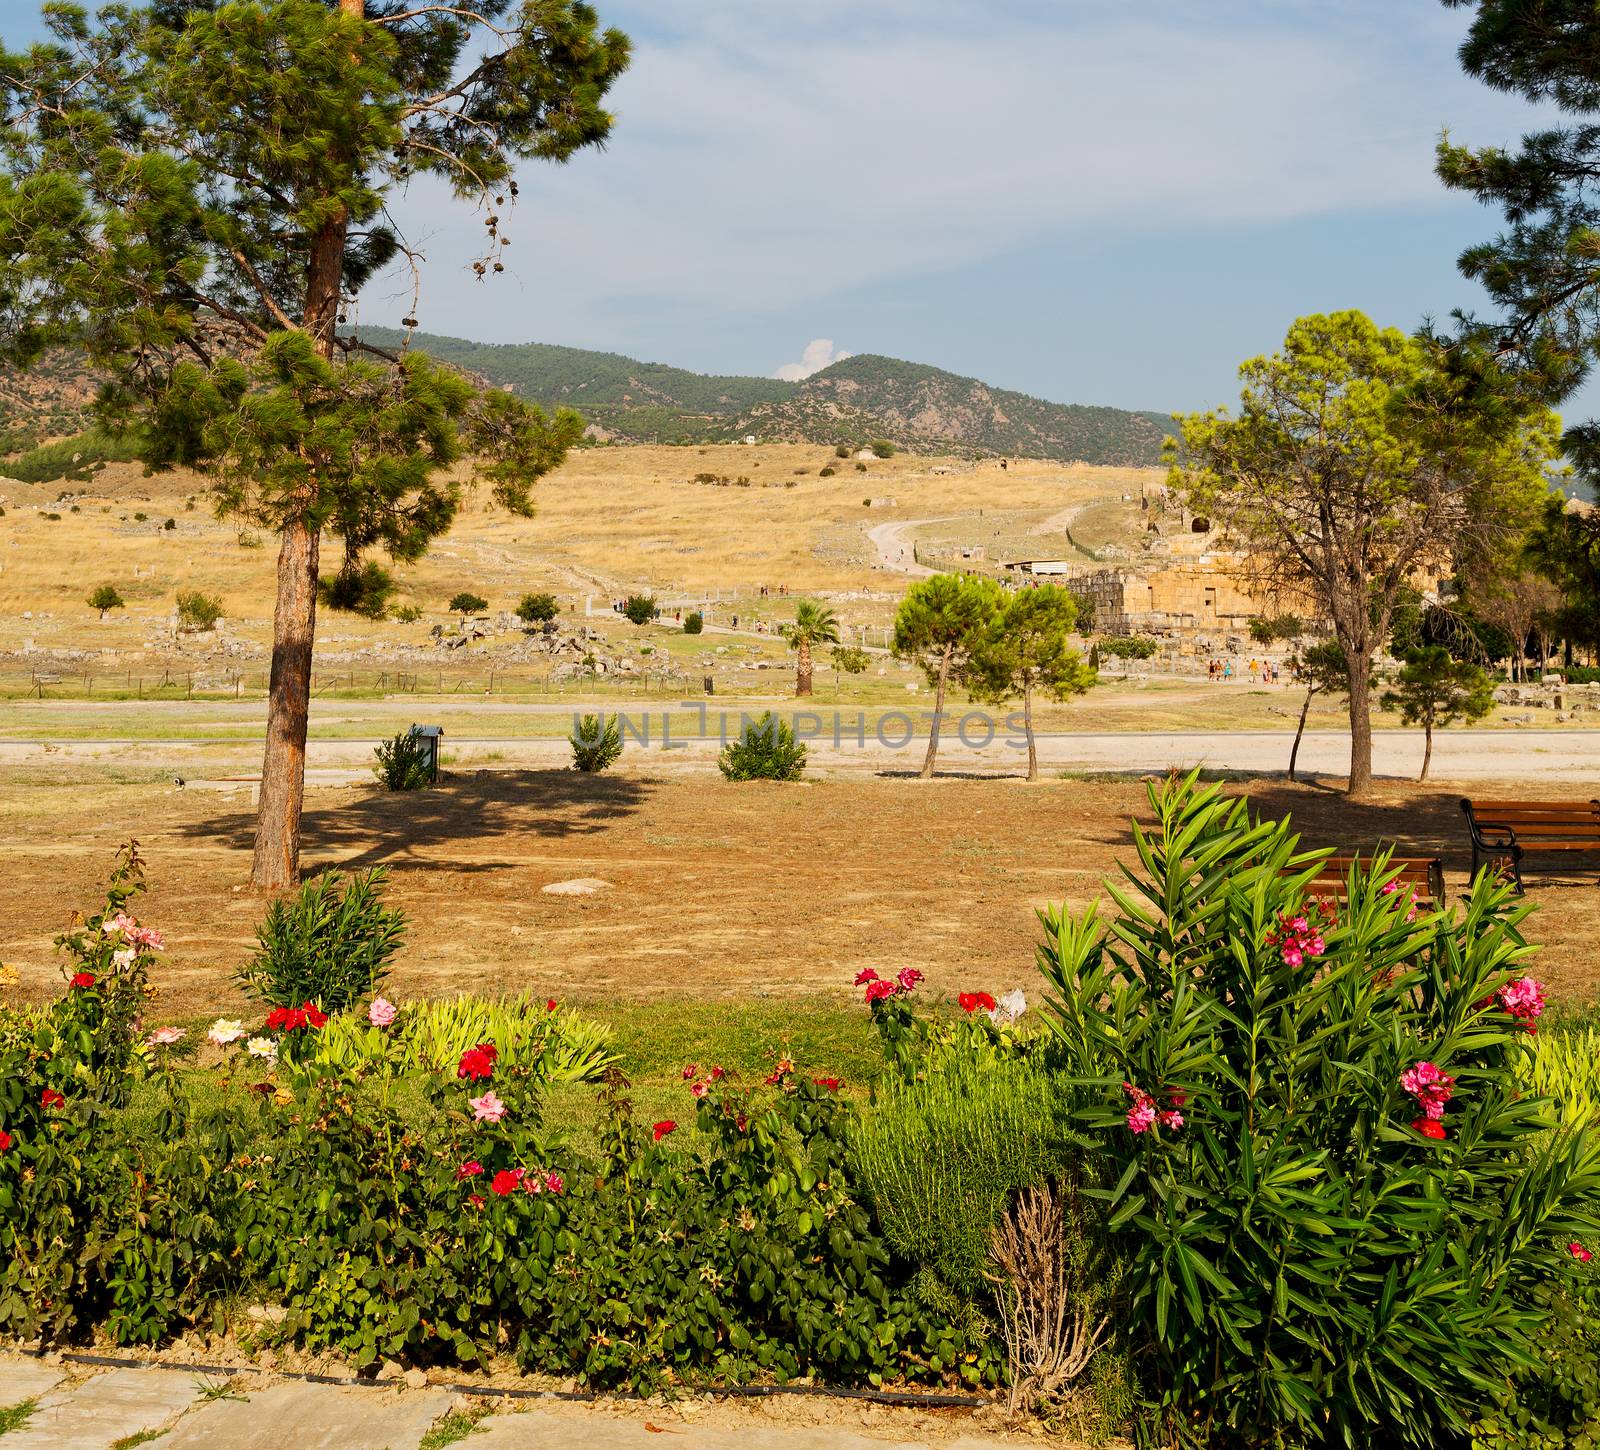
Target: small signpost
[429, 736]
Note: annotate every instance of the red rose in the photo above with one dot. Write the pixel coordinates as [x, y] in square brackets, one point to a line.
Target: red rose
[1429, 1128]
[550, 1004]
[278, 1017]
[50, 1098]
[5, 1141]
[877, 991]
[690, 1071]
[83, 979]
[717, 1074]
[665, 1126]
[468, 1170]
[475, 1063]
[507, 1180]
[312, 1015]
[865, 975]
[831, 1083]
[971, 1001]
[1577, 1250]
[489, 1050]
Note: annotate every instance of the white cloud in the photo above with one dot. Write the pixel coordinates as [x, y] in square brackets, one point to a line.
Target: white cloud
[766, 157]
[817, 354]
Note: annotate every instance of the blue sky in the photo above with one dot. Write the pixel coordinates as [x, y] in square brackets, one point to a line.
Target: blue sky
[1090, 202]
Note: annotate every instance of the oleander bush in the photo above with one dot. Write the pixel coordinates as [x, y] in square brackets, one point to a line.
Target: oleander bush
[1339, 1203]
[402, 763]
[330, 943]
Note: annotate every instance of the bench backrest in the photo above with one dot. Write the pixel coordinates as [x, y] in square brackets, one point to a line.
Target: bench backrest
[1536, 820]
[1423, 875]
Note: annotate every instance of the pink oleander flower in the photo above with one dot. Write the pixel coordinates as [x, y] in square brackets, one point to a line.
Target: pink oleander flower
[381, 1012]
[1171, 1118]
[1577, 1250]
[165, 1037]
[488, 1108]
[1297, 940]
[1523, 999]
[1430, 1087]
[1141, 1116]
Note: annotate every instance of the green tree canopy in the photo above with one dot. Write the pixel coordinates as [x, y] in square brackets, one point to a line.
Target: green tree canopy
[1434, 689]
[940, 624]
[537, 608]
[195, 192]
[1352, 468]
[1025, 651]
[104, 598]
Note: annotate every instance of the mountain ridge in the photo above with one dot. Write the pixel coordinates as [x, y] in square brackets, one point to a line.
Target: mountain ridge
[853, 401]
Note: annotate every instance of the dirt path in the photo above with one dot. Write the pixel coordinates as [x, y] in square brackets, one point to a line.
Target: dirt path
[893, 549]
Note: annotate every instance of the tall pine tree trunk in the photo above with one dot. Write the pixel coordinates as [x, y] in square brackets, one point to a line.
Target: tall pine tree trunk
[1427, 748]
[276, 863]
[926, 773]
[802, 668]
[1360, 725]
[1027, 726]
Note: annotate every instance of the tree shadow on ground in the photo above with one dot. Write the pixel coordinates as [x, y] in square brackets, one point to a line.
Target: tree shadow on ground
[483, 813]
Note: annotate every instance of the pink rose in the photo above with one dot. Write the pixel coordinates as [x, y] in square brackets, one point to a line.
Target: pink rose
[382, 1012]
[488, 1108]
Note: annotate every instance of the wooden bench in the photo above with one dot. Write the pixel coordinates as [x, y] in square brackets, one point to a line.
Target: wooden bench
[1506, 831]
[1422, 876]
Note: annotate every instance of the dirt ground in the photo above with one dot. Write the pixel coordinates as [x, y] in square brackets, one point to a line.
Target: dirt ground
[715, 890]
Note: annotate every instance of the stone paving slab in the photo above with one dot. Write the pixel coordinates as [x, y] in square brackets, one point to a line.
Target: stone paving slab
[109, 1407]
[545, 1430]
[298, 1416]
[26, 1379]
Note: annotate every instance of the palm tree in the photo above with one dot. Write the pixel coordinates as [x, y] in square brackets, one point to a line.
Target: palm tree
[813, 625]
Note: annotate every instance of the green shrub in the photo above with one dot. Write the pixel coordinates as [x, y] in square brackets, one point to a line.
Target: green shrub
[363, 589]
[197, 610]
[694, 622]
[1127, 647]
[765, 750]
[402, 763]
[170, 526]
[406, 613]
[827, 471]
[467, 603]
[1582, 674]
[1310, 1254]
[883, 448]
[639, 609]
[105, 597]
[940, 1157]
[1555, 1403]
[842, 451]
[596, 743]
[331, 943]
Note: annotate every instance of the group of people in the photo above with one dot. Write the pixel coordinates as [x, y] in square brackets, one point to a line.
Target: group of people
[1264, 671]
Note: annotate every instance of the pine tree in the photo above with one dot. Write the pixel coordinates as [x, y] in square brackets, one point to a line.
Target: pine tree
[941, 622]
[1355, 464]
[1434, 689]
[1025, 651]
[1539, 272]
[195, 193]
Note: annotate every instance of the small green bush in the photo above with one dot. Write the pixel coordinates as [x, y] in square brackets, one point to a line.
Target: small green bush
[842, 451]
[883, 448]
[639, 609]
[467, 603]
[406, 613]
[828, 471]
[363, 589]
[765, 750]
[331, 943]
[197, 610]
[1127, 646]
[170, 526]
[402, 763]
[694, 622]
[596, 744]
[861, 468]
